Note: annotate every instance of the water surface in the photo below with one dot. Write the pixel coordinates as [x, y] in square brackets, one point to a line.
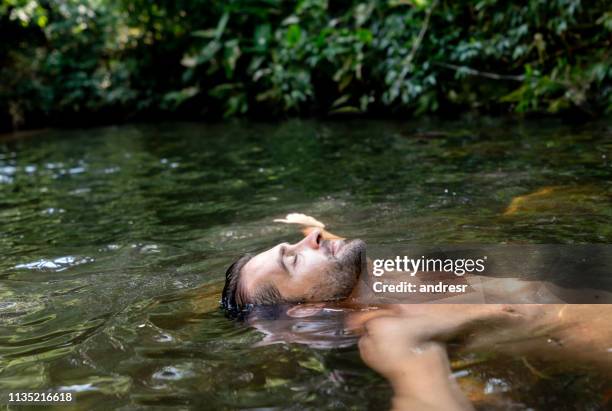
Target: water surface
[114, 242]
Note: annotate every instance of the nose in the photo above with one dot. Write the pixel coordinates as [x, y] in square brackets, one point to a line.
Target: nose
[312, 240]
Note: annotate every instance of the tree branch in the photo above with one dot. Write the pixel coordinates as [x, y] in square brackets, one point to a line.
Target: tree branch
[419, 40]
[473, 72]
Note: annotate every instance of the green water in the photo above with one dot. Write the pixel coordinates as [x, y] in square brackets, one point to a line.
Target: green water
[114, 242]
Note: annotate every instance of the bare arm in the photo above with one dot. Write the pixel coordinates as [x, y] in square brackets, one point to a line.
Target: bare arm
[419, 372]
[405, 344]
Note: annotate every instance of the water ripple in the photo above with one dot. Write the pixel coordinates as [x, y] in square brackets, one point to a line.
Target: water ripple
[57, 264]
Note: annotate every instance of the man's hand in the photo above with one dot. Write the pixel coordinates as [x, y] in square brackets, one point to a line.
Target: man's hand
[405, 344]
[301, 219]
[441, 322]
[418, 370]
[308, 223]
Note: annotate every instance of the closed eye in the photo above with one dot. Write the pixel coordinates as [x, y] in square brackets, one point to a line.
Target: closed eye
[295, 259]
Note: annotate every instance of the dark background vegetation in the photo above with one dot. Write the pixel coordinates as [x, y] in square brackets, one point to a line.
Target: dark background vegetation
[70, 62]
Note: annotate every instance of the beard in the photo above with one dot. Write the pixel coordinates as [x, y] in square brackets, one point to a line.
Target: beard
[341, 278]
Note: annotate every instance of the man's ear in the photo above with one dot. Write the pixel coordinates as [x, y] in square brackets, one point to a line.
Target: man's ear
[325, 234]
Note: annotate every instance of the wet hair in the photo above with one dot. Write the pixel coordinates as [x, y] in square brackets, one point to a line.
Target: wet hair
[229, 296]
[233, 298]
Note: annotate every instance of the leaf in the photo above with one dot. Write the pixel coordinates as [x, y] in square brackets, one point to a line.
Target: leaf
[221, 25]
[345, 109]
[313, 364]
[210, 33]
[275, 382]
[176, 98]
[293, 36]
[232, 53]
[341, 100]
[261, 38]
[222, 90]
[364, 35]
[208, 52]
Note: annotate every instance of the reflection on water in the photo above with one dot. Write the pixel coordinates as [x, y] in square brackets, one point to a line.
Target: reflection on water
[114, 242]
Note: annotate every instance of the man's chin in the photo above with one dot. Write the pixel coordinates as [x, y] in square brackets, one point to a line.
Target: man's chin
[354, 254]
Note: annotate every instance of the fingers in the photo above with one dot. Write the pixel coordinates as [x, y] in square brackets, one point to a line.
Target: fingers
[356, 321]
[428, 321]
[309, 223]
[301, 219]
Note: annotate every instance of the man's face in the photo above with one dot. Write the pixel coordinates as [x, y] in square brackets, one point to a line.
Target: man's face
[311, 270]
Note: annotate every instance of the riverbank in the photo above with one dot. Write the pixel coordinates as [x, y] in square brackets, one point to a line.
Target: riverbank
[90, 63]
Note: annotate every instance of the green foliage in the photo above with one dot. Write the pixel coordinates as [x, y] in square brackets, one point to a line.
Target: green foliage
[116, 58]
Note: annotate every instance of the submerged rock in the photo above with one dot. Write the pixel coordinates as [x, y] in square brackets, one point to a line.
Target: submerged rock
[559, 199]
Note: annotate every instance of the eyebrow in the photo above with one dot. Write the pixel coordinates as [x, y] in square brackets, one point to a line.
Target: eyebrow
[281, 262]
